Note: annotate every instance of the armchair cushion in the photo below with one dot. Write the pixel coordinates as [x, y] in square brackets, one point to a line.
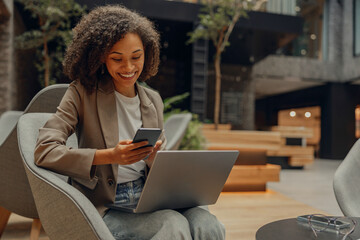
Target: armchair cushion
[64, 212]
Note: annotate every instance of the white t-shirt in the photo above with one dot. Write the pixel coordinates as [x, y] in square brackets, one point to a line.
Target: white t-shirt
[129, 120]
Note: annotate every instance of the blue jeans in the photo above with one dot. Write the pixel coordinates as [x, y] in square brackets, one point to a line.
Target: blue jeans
[191, 223]
[129, 192]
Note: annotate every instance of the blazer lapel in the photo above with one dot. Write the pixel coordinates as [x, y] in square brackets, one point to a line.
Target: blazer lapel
[106, 108]
[149, 116]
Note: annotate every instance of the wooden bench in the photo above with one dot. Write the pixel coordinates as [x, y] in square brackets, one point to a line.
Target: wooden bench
[273, 142]
[251, 171]
[245, 140]
[251, 177]
[291, 132]
[299, 152]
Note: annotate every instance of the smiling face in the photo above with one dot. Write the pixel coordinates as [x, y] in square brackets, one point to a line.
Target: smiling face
[125, 63]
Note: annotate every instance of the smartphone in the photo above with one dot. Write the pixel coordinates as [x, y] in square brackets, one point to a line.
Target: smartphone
[147, 134]
[323, 222]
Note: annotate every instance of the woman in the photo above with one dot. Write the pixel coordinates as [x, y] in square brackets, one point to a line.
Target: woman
[112, 49]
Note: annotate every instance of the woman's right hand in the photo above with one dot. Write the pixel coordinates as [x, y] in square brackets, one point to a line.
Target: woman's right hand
[124, 153]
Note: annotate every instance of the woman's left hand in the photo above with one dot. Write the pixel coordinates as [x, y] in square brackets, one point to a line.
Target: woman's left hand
[151, 157]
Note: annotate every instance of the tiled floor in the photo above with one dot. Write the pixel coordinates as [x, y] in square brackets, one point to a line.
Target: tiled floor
[312, 185]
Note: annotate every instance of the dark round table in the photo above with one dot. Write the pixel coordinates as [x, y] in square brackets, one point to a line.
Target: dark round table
[292, 229]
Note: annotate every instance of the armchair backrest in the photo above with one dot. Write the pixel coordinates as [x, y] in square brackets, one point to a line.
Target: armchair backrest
[8, 121]
[175, 129]
[15, 191]
[65, 213]
[346, 182]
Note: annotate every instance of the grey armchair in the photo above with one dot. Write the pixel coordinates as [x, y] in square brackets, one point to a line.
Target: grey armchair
[64, 211]
[15, 193]
[346, 183]
[8, 121]
[175, 129]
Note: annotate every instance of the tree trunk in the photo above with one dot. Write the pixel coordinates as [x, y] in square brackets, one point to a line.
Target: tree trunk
[47, 64]
[217, 88]
[46, 54]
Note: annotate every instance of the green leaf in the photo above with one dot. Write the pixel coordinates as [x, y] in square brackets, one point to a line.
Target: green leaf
[169, 102]
[30, 39]
[215, 17]
[54, 31]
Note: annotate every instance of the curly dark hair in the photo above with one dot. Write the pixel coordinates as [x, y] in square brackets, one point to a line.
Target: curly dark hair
[96, 34]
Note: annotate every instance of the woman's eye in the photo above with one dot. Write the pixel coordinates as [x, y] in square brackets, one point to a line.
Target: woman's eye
[135, 58]
[116, 59]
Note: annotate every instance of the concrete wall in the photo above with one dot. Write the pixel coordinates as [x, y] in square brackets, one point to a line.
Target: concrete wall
[236, 81]
[351, 63]
[284, 67]
[336, 98]
[341, 65]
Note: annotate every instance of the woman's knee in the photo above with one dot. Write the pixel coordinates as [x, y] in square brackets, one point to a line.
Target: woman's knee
[174, 224]
[208, 229]
[204, 225]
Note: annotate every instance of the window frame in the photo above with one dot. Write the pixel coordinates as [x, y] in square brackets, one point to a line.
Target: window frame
[356, 27]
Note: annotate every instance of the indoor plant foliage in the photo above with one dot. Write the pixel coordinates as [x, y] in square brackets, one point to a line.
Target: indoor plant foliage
[193, 138]
[51, 36]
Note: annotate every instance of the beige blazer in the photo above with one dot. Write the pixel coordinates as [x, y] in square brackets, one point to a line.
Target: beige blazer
[93, 117]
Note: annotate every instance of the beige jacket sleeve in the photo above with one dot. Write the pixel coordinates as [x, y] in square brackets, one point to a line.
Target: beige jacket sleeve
[51, 151]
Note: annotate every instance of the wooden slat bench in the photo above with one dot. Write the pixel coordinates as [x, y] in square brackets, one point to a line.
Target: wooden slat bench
[251, 171]
[238, 139]
[299, 155]
[273, 142]
[293, 132]
[251, 177]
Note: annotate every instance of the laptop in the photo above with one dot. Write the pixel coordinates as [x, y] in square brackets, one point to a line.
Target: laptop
[183, 179]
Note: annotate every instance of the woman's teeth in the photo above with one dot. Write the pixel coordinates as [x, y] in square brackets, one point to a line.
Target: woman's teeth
[127, 75]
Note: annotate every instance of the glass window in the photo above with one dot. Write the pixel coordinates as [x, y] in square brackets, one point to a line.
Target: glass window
[312, 43]
[357, 27]
[286, 7]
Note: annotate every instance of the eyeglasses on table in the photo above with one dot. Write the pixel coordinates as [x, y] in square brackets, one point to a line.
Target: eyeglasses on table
[319, 223]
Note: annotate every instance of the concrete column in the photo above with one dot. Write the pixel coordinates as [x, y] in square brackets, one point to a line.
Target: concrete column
[335, 37]
[337, 121]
